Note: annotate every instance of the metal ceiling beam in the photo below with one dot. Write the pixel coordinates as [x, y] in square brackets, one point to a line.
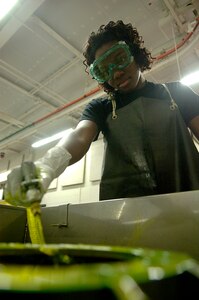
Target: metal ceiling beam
[57, 37]
[52, 77]
[175, 16]
[27, 94]
[9, 119]
[28, 80]
[16, 21]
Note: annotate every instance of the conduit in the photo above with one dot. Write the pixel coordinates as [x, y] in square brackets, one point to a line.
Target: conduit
[95, 90]
[34, 124]
[67, 105]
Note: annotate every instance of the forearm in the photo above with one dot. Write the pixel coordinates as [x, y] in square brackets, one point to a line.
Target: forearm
[194, 126]
[78, 141]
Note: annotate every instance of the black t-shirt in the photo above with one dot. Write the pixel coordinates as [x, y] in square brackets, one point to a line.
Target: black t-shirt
[186, 99]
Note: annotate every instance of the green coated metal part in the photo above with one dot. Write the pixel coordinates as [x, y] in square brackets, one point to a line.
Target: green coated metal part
[90, 271]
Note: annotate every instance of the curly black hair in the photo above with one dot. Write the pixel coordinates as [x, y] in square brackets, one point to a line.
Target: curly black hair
[117, 31]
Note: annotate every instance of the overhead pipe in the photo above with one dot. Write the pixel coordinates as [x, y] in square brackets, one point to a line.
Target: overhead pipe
[158, 64]
[179, 45]
[20, 133]
[97, 89]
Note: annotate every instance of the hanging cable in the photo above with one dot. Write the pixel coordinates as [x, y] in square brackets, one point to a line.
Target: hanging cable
[176, 53]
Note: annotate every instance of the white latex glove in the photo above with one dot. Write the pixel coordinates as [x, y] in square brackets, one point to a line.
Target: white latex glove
[50, 166]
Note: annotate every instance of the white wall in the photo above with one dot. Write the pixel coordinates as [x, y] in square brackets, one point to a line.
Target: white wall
[79, 183]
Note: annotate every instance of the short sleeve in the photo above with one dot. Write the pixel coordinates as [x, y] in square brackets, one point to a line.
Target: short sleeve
[96, 111]
[186, 99]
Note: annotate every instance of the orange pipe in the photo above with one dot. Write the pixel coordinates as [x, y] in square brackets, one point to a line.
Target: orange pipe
[93, 91]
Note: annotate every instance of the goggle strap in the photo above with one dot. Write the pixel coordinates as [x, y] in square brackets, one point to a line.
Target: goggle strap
[113, 102]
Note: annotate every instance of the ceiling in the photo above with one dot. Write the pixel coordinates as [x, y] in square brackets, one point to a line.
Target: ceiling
[43, 84]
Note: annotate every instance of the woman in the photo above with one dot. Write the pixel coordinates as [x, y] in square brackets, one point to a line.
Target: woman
[148, 146]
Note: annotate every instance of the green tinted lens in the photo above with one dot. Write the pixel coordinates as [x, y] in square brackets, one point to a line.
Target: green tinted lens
[117, 57]
[101, 73]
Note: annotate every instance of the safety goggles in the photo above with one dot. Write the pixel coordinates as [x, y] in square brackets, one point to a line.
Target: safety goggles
[117, 57]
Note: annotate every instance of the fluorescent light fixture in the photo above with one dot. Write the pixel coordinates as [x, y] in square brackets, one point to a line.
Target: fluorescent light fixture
[52, 138]
[3, 176]
[190, 79]
[6, 6]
